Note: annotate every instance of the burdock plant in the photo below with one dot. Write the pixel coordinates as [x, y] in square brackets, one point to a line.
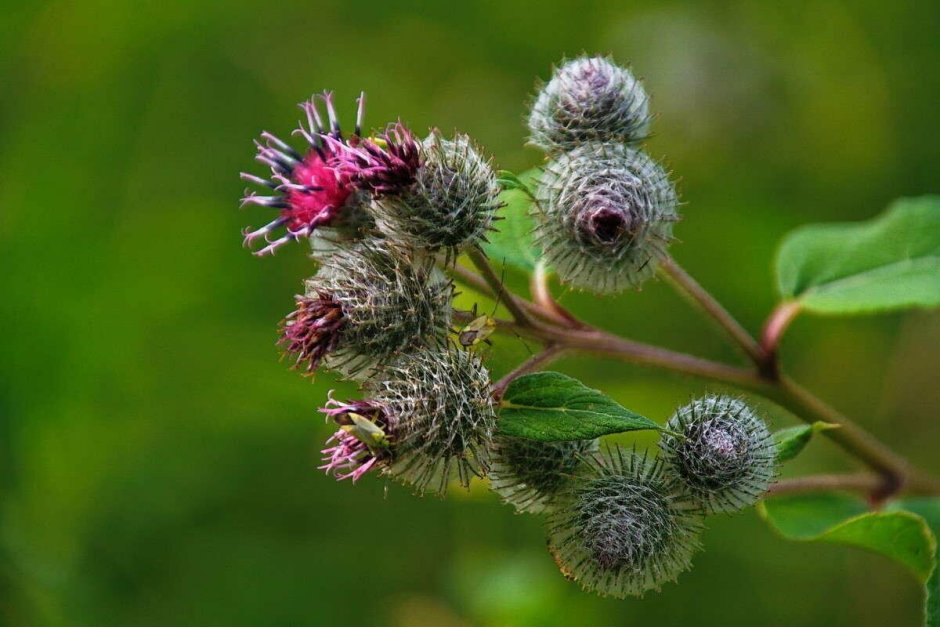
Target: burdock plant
[393, 221]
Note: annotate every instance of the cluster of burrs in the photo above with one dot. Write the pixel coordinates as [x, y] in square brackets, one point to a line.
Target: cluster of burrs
[621, 523]
[383, 212]
[379, 212]
[604, 209]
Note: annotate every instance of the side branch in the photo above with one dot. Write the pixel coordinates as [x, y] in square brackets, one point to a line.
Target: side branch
[533, 363]
[865, 483]
[704, 300]
[496, 286]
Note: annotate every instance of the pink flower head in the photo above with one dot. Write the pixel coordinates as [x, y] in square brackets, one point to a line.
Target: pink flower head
[362, 441]
[312, 330]
[308, 189]
[384, 166]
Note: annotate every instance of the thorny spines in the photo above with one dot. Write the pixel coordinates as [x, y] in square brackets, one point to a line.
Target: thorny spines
[451, 203]
[529, 474]
[621, 529]
[604, 216]
[445, 417]
[726, 457]
[392, 299]
[588, 99]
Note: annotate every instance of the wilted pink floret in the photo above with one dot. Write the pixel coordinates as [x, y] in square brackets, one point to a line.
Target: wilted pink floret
[350, 457]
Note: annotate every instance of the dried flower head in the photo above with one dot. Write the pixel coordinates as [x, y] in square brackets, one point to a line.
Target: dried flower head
[588, 99]
[452, 201]
[604, 216]
[372, 300]
[308, 189]
[726, 457]
[442, 415]
[622, 531]
[529, 474]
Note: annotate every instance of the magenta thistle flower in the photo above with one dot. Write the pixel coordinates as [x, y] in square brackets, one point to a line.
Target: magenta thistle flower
[362, 442]
[312, 330]
[308, 189]
[384, 166]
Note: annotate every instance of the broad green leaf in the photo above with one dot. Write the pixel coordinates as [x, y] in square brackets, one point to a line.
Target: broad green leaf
[552, 407]
[929, 509]
[889, 262]
[843, 519]
[512, 243]
[791, 441]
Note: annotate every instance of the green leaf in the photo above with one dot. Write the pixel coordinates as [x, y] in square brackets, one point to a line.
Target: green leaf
[791, 441]
[843, 519]
[552, 407]
[513, 243]
[929, 509]
[889, 262]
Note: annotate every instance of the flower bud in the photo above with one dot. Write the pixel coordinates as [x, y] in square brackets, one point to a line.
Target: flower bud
[622, 531]
[372, 300]
[530, 475]
[588, 99]
[725, 456]
[451, 202]
[604, 216]
[442, 416]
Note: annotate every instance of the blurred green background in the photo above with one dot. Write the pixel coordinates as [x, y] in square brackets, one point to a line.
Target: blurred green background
[157, 462]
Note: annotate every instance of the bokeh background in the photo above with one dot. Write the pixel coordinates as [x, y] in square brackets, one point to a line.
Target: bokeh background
[157, 461]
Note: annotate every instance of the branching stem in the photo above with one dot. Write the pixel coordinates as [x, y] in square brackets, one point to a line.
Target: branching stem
[701, 297]
[557, 332]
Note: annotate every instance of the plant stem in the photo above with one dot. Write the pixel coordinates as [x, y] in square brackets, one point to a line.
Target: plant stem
[497, 287]
[774, 328]
[895, 472]
[533, 363]
[589, 339]
[864, 482]
[542, 295]
[691, 288]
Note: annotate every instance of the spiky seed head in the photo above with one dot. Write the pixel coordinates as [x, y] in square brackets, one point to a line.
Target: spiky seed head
[391, 300]
[443, 416]
[451, 202]
[587, 99]
[604, 216]
[726, 456]
[529, 474]
[621, 529]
